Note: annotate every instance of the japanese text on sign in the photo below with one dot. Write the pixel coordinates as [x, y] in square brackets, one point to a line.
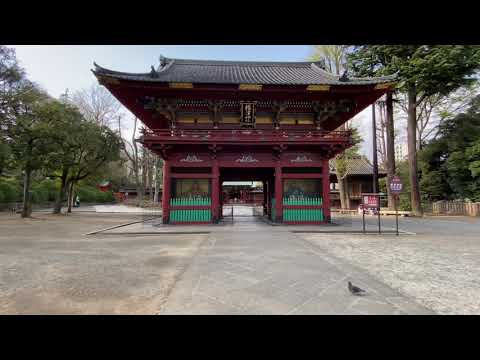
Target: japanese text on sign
[248, 113]
[370, 201]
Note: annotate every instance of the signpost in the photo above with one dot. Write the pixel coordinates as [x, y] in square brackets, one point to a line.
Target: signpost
[371, 201]
[396, 188]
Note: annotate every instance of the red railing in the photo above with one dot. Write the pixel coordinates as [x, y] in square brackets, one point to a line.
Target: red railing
[248, 135]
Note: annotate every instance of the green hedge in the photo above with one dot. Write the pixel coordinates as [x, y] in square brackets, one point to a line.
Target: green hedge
[92, 194]
[44, 191]
[9, 191]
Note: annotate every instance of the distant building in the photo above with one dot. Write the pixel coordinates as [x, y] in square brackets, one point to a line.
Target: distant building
[401, 151]
[359, 180]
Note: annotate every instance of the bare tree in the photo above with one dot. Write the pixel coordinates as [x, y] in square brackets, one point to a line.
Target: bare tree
[381, 132]
[158, 177]
[334, 58]
[97, 105]
[130, 150]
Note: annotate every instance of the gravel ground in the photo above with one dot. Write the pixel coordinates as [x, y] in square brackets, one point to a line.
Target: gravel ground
[440, 271]
[48, 266]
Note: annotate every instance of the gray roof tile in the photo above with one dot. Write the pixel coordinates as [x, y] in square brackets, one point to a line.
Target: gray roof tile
[241, 72]
[358, 166]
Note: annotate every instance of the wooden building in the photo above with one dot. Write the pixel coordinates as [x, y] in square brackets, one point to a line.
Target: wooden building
[359, 179]
[215, 121]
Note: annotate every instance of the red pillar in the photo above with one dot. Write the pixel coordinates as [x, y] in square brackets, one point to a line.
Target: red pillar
[326, 190]
[166, 193]
[215, 192]
[278, 193]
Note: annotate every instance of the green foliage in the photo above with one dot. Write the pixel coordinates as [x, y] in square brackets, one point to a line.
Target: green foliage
[450, 165]
[9, 191]
[473, 156]
[402, 172]
[341, 159]
[432, 69]
[44, 191]
[91, 194]
[5, 156]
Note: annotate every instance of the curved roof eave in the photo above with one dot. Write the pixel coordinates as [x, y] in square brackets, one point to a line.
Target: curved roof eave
[277, 73]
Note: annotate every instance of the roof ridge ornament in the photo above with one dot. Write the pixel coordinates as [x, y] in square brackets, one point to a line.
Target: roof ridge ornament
[344, 76]
[153, 72]
[163, 61]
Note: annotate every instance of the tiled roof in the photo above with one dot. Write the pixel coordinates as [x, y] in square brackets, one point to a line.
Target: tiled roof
[240, 72]
[358, 166]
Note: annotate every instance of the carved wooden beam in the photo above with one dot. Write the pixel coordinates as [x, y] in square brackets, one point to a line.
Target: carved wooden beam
[278, 150]
[214, 149]
[163, 150]
[277, 108]
[168, 108]
[215, 107]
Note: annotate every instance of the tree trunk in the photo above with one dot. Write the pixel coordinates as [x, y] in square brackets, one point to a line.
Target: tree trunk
[390, 148]
[70, 198]
[341, 191]
[158, 179]
[151, 173]
[412, 151]
[61, 193]
[27, 205]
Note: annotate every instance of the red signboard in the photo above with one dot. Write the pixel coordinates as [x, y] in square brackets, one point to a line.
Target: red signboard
[396, 185]
[371, 200]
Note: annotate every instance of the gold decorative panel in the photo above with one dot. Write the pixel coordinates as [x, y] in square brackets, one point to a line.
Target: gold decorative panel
[177, 85]
[385, 86]
[252, 87]
[264, 120]
[230, 120]
[318, 87]
[287, 121]
[190, 119]
[305, 121]
[108, 81]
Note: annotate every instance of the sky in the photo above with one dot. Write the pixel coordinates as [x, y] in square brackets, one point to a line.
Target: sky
[60, 67]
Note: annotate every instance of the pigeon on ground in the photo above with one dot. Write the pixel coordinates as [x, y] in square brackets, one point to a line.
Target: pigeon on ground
[355, 290]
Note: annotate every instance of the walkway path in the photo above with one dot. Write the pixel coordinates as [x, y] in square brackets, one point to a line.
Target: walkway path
[260, 269]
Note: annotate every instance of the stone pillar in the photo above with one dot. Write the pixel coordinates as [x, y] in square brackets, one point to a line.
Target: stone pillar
[215, 192]
[278, 193]
[166, 193]
[326, 190]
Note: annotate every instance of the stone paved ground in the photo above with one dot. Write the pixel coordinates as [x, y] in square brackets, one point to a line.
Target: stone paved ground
[260, 269]
[48, 266]
[439, 270]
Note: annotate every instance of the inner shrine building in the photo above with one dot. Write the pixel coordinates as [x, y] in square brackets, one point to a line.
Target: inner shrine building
[277, 123]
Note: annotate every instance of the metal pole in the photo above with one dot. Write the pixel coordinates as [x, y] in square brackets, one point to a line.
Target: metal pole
[379, 228]
[363, 218]
[374, 145]
[396, 212]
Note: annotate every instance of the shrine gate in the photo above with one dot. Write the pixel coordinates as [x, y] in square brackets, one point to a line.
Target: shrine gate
[215, 121]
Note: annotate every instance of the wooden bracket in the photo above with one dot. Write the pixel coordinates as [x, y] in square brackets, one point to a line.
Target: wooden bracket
[214, 149]
[277, 108]
[215, 107]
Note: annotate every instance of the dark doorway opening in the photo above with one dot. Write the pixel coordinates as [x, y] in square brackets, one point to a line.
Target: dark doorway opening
[246, 192]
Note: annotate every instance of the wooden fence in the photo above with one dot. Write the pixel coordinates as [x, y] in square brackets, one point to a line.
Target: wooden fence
[456, 208]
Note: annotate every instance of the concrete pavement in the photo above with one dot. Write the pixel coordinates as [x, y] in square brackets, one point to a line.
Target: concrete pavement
[260, 269]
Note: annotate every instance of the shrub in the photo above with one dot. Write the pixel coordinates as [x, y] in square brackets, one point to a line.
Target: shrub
[92, 194]
[9, 192]
[44, 191]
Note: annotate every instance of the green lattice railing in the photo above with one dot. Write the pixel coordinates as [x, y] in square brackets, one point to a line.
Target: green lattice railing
[302, 215]
[190, 215]
[273, 212]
